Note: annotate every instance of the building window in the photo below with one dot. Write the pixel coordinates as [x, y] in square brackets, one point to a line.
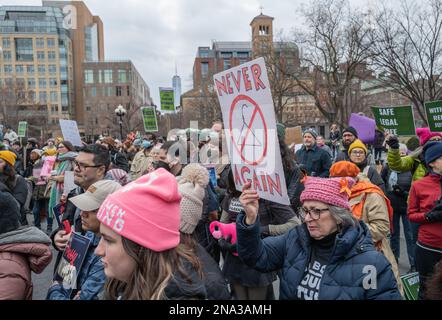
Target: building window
[19, 69]
[20, 83]
[122, 76]
[241, 54]
[108, 76]
[40, 55]
[204, 69]
[6, 43]
[88, 108]
[52, 69]
[51, 42]
[64, 108]
[54, 108]
[119, 91]
[24, 49]
[88, 76]
[41, 69]
[100, 76]
[52, 55]
[42, 83]
[7, 68]
[31, 96]
[109, 91]
[227, 64]
[43, 97]
[204, 54]
[53, 82]
[226, 54]
[93, 91]
[40, 42]
[30, 69]
[7, 56]
[54, 96]
[31, 83]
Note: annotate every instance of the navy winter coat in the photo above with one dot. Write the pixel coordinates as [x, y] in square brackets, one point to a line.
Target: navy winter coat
[316, 161]
[343, 276]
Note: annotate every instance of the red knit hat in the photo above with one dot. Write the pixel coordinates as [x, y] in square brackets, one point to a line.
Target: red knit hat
[334, 191]
[425, 134]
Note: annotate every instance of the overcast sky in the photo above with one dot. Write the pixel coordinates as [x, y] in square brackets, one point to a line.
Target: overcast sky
[156, 34]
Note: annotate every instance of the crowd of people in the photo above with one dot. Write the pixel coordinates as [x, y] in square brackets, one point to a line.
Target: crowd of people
[148, 204]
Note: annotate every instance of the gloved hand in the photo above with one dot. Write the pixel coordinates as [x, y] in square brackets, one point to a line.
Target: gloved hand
[226, 246]
[393, 142]
[434, 215]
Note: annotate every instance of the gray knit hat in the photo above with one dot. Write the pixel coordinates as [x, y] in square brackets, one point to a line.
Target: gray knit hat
[191, 185]
[311, 131]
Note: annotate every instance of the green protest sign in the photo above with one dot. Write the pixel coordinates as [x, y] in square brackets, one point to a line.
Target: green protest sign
[434, 115]
[167, 99]
[396, 120]
[149, 119]
[22, 125]
[411, 285]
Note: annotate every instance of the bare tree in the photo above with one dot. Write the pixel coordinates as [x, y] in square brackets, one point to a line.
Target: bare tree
[408, 50]
[335, 49]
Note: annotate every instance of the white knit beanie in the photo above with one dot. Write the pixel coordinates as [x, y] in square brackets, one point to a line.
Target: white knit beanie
[191, 185]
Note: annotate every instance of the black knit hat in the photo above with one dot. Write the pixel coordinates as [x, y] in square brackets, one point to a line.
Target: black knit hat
[352, 131]
[9, 213]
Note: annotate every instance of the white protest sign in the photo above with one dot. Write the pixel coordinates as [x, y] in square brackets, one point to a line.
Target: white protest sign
[70, 132]
[250, 127]
[69, 183]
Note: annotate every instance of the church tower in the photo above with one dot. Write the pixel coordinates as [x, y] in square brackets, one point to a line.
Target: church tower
[262, 34]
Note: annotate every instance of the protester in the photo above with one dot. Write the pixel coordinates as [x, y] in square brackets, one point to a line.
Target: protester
[326, 257]
[316, 161]
[191, 186]
[434, 284]
[140, 249]
[378, 145]
[50, 148]
[170, 154]
[425, 208]
[398, 186]
[10, 135]
[320, 142]
[90, 279]
[118, 159]
[22, 250]
[335, 137]
[142, 161]
[14, 183]
[369, 204]
[358, 153]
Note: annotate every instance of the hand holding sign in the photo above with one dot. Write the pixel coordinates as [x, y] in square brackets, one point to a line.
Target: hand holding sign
[249, 201]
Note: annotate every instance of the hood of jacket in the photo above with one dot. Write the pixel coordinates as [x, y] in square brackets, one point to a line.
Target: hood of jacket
[190, 288]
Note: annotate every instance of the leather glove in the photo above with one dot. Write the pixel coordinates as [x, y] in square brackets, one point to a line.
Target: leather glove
[434, 216]
[393, 142]
[226, 246]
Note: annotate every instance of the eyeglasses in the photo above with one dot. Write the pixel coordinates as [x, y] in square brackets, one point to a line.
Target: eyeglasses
[357, 153]
[314, 213]
[83, 166]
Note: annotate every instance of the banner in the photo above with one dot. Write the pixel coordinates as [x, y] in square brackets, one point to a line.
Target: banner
[70, 132]
[167, 99]
[411, 285]
[48, 164]
[22, 126]
[250, 127]
[149, 116]
[293, 135]
[433, 111]
[396, 120]
[364, 126]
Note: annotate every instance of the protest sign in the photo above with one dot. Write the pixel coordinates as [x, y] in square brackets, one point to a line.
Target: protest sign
[411, 285]
[364, 126]
[149, 116]
[71, 261]
[22, 126]
[433, 111]
[70, 132]
[250, 126]
[48, 164]
[167, 99]
[293, 135]
[396, 120]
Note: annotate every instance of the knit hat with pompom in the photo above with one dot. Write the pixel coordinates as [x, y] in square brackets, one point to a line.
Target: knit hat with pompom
[191, 185]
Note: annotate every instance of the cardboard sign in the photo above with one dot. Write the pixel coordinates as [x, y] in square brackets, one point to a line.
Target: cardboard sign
[293, 135]
[364, 126]
[396, 120]
[250, 128]
[22, 126]
[167, 99]
[69, 183]
[433, 111]
[70, 132]
[70, 263]
[48, 164]
[411, 285]
[149, 116]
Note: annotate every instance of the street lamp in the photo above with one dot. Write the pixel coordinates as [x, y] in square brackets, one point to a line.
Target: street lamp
[121, 112]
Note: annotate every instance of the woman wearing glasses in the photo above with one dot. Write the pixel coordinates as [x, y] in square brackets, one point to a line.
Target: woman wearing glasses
[64, 162]
[329, 257]
[357, 153]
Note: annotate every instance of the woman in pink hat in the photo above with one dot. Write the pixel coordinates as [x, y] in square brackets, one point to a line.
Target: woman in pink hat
[140, 245]
[329, 257]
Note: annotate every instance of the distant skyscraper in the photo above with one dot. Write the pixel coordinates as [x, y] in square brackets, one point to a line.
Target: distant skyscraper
[176, 84]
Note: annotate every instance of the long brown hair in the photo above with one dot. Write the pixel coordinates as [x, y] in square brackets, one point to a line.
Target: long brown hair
[152, 273]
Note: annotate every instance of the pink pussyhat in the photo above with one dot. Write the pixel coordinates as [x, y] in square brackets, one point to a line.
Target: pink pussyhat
[425, 134]
[146, 211]
[333, 191]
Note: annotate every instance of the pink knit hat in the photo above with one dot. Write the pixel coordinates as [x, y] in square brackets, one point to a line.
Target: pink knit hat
[146, 211]
[334, 191]
[425, 134]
